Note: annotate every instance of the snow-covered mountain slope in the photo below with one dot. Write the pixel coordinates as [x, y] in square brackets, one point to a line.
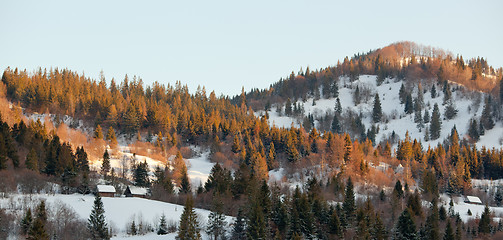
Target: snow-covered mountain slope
[469, 105]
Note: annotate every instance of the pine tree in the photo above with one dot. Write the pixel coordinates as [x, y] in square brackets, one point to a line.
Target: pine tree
[96, 223]
[449, 232]
[485, 221]
[26, 222]
[105, 166]
[450, 111]
[32, 160]
[406, 229]
[37, 230]
[432, 222]
[141, 174]
[185, 187]
[377, 110]
[433, 91]
[336, 125]
[288, 107]
[133, 230]
[163, 227]
[436, 123]
[349, 201]
[356, 96]
[409, 105]
[348, 146]
[111, 136]
[398, 190]
[426, 117]
[378, 230]
[473, 130]
[98, 132]
[487, 118]
[188, 228]
[338, 106]
[402, 94]
[236, 144]
[216, 222]
[238, 230]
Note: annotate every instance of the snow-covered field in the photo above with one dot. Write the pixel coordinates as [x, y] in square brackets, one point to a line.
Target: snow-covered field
[198, 167]
[119, 212]
[389, 95]
[462, 208]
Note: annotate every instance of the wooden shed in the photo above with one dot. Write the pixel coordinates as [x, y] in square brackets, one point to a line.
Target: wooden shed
[473, 200]
[132, 191]
[105, 190]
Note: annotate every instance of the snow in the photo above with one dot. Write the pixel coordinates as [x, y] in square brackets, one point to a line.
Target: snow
[473, 199]
[198, 167]
[462, 208]
[399, 122]
[119, 212]
[138, 190]
[105, 188]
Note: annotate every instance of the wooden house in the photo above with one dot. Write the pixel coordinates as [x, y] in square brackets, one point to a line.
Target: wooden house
[105, 190]
[132, 191]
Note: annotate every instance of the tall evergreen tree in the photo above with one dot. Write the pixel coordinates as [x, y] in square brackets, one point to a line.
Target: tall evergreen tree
[38, 230]
[216, 222]
[409, 105]
[188, 228]
[336, 125]
[449, 232]
[485, 221]
[377, 110]
[239, 230]
[141, 178]
[96, 223]
[406, 229]
[32, 160]
[487, 117]
[105, 166]
[98, 132]
[349, 205]
[185, 187]
[436, 124]
[26, 222]
[402, 94]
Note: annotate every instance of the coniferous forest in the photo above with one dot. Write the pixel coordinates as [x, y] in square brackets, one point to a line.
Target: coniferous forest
[341, 195]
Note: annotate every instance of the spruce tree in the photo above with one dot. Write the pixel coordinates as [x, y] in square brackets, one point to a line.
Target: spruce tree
[487, 118]
[216, 222]
[449, 232]
[436, 124]
[105, 166]
[377, 110]
[238, 230]
[409, 105]
[450, 111]
[402, 94]
[141, 178]
[96, 223]
[163, 227]
[98, 132]
[433, 91]
[473, 130]
[188, 228]
[185, 187]
[37, 230]
[485, 221]
[32, 160]
[336, 125]
[406, 229]
[349, 205]
[26, 222]
[111, 136]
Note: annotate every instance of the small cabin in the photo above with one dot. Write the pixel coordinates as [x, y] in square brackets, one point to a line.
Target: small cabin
[132, 191]
[473, 200]
[105, 190]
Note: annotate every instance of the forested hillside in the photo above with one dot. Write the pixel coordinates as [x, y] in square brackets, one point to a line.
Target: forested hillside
[338, 182]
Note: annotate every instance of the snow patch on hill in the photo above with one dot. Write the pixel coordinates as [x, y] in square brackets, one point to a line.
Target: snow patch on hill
[468, 107]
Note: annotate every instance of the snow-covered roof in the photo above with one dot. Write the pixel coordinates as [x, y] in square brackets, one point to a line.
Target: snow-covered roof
[106, 188]
[473, 199]
[138, 190]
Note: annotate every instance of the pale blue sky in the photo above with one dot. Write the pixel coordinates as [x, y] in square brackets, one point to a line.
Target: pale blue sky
[225, 45]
